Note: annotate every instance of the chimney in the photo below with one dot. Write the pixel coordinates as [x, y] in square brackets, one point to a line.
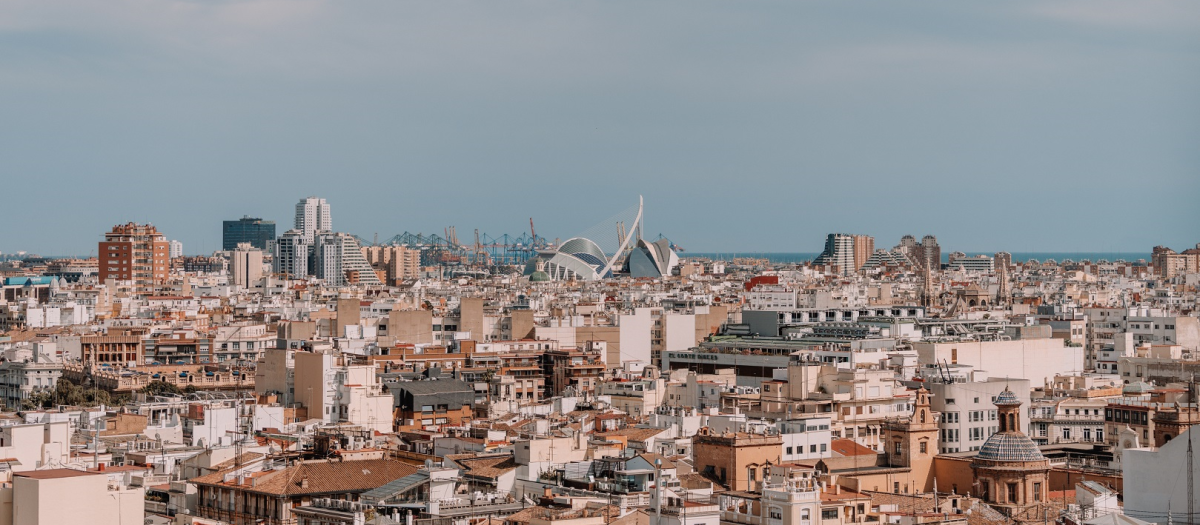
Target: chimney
[100, 467]
[304, 482]
[548, 493]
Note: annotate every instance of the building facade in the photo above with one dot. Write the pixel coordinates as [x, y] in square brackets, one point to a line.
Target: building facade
[291, 255]
[338, 260]
[257, 232]
[312, 216]
[245, 265]
[138, 253]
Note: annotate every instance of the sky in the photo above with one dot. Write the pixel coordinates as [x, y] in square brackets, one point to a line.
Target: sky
[746, 125]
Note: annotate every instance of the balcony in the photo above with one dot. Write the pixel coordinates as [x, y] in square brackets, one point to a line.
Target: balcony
[459, 507]
[695, 508]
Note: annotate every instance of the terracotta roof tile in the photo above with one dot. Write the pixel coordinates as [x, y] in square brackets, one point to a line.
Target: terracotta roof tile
[324, 477]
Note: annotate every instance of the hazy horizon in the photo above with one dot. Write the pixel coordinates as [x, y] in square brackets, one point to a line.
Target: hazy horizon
[748, 126]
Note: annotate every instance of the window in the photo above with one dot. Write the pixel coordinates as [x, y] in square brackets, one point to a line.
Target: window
[776, 513]
[804, 515]
[898, 448]
[1037, 491]
[1012, 493]
[789, 450]
[812, 448]
[924, 447]
[829, 514]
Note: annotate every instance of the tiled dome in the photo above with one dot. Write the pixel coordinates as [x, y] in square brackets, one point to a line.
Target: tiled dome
[1009, 446]
[1007, 398]
[1139, 387]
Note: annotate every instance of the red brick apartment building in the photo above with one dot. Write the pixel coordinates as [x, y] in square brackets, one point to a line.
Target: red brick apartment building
[137, 253]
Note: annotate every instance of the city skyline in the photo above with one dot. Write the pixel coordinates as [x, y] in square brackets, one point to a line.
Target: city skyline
[599, 262]
[1017, 126]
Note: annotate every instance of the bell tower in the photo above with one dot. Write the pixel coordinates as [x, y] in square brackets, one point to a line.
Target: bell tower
[912, 442]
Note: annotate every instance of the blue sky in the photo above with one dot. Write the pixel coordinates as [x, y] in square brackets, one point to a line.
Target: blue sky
[748, 126]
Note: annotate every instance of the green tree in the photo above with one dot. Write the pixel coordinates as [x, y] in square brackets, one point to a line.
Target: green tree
[161, 388]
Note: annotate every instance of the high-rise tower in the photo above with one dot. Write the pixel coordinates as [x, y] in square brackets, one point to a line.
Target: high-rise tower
[137, 253]
[846, 252]
[312, 216]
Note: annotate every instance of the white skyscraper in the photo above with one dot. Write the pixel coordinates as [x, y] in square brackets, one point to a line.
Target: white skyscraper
[312, 215]
[291, 255]
[175, 249]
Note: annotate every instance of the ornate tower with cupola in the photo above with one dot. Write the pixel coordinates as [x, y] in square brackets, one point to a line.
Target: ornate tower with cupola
[912, 442]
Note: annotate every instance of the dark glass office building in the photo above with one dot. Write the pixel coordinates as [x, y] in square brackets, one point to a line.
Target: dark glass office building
[257, 232]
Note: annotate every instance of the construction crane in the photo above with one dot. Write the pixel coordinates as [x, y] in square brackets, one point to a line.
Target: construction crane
[479, 256]
[532, 232]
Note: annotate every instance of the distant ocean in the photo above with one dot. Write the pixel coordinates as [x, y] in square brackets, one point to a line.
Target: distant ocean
[799, 257]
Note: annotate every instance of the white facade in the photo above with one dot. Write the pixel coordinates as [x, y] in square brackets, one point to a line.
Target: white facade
[312, 216]
[291, 254]
[968, 415]
[1037, 360]
[337, 254]
[679, 332]
[771, 297]
[1155, 480]
[805, 439]
[974, 263]
[635, 336]
[246, 265]
[175, 249]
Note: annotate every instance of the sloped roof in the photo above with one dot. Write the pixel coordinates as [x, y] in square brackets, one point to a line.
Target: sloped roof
[323, 477]
[848, 447]
[490, 467]
[388, 490]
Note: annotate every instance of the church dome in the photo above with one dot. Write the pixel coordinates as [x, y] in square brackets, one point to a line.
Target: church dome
[1009, 446]
[1139, 387]
[1007, 398]
[539, 276]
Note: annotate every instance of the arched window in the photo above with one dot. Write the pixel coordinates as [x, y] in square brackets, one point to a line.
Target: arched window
[922, 416]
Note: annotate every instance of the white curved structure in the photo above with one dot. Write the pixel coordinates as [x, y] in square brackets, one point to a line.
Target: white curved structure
[581, 258]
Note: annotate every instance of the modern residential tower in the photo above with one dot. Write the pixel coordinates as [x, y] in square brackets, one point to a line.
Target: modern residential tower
[135, 252]
[312, 216]
[847, 252]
